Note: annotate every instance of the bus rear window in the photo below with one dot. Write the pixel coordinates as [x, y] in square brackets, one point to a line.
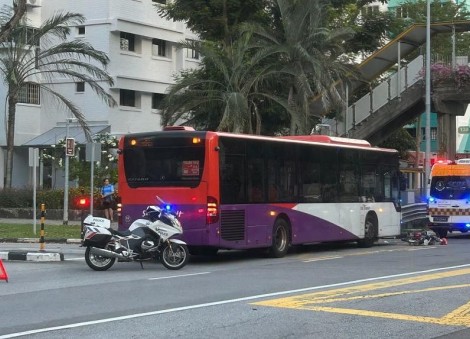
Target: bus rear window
[163, 166]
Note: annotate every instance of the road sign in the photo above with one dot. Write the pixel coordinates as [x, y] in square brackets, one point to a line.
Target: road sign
[464, 129]
[93, 151]
[33, 157]
[70, 147]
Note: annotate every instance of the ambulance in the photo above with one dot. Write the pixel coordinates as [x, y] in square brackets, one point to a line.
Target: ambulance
[449, 197]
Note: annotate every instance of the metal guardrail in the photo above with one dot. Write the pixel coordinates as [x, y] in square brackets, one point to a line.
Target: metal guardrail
[413, 212]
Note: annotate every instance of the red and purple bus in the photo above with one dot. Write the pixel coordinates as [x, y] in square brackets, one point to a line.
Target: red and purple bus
[240, 191]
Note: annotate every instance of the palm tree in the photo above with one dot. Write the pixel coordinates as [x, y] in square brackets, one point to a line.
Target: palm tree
[35, 54]
[236, 88]
[309, 54]
[10, 21]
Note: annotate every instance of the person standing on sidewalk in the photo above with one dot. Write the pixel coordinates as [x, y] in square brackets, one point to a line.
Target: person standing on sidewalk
[107, 199]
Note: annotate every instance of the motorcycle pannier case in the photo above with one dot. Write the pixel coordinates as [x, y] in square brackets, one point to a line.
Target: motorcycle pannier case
[97, 230]
[102, 236]
[97, 221]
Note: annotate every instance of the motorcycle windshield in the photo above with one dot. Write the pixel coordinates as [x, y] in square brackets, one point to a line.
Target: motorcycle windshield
[162, 164]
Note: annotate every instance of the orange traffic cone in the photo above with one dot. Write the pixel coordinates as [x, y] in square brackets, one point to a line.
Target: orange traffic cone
[3, 272]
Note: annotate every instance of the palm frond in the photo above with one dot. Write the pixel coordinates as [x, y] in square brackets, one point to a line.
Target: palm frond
[22, 61]
[66, 103]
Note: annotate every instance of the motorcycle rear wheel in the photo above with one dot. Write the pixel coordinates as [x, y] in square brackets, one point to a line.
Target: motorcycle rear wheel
[174, 256]
[98, 262]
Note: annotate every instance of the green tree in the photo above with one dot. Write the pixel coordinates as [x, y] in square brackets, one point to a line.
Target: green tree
[45, 52]
[303, 59]
[400, 140]
[308, 57]
[415, 11]
[236, 88]
[369, 28]
[10, 20]
[80, 169]
[215, 20]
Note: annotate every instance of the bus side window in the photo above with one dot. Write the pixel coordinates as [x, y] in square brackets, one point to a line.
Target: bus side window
[309, 173]
[256, 182]
[368, 182]
[273, 180]
[231, 183]
[273, 193]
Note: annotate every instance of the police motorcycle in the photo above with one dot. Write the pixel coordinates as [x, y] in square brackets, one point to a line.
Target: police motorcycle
[148, 238]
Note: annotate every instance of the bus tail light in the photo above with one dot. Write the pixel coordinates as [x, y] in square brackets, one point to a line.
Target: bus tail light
[212, 210]
[119, 212]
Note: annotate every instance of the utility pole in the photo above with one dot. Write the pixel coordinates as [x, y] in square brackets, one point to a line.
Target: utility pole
[66, 176]
[427, 163]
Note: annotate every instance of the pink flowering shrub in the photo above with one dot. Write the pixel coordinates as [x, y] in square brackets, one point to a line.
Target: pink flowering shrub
[442, 74]
[462, 76]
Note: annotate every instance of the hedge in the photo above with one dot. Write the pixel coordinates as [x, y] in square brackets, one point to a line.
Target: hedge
[53, 199]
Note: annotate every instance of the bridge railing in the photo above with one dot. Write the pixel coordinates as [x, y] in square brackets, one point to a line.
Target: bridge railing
[379, 96]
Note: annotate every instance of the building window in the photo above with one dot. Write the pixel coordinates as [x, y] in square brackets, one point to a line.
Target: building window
[127, 98]
[163, 2]
[402, 12]
[26, 36]
[80, 87]
[157, 99]
[433, 133]
[159, 47]
[369, 10]
[30, 94]
[81, 30]
[192, 53]
[127, 42]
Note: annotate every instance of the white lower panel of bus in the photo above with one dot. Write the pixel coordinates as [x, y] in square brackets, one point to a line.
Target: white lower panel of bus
[352, 216]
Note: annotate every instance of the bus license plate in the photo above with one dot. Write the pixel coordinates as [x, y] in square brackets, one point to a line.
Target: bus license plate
[440, 218]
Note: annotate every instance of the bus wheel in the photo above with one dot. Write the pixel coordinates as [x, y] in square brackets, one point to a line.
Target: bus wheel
[370, 232]
[280, 243]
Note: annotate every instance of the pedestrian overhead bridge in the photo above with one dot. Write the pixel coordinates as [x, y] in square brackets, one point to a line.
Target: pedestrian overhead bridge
[401, 97]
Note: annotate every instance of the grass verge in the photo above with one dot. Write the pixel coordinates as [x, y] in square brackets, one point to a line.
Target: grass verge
[50, 231]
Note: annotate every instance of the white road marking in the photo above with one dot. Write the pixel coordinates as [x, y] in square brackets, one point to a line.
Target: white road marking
[217, 303]
[74, 259]
[179, 276]
[323, 258]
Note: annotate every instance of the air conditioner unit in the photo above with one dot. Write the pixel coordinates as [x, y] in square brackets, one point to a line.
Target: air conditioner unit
[124, 44]
[33, 3]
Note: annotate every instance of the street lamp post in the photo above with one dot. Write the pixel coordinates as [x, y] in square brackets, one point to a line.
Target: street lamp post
[427, 163]
[66, 175]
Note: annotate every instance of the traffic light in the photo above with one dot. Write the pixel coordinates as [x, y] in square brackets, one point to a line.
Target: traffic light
[83, 202]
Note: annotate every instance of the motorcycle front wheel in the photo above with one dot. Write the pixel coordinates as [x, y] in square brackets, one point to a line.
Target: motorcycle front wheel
[174, 256]
[98, 262]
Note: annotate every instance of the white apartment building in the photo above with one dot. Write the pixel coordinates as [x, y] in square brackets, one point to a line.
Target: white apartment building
[142, 48]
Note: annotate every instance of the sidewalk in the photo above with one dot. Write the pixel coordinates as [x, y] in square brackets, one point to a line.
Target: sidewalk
[30, 255]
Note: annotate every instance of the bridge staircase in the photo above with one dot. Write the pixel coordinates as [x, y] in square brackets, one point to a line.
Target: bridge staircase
[400, 99]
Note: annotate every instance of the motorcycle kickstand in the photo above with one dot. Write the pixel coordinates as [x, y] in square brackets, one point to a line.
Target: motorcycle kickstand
[141, 265]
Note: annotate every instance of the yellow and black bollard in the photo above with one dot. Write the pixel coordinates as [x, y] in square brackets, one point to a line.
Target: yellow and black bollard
[41, 239]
